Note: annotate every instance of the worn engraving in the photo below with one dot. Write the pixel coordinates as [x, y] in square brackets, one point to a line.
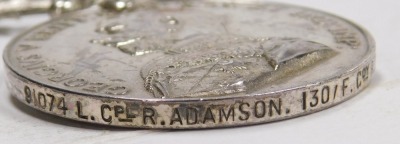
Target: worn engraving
[218, 113]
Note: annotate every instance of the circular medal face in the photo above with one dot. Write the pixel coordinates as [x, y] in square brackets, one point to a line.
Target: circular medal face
[190, 64]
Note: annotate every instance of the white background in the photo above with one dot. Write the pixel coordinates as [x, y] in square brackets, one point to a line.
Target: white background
[371, 117]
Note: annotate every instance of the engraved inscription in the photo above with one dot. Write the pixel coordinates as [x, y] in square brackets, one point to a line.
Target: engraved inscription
[327, 94]
[45, 101]
[178, 115]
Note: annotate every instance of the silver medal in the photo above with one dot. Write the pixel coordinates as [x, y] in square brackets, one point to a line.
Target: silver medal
[189, 64]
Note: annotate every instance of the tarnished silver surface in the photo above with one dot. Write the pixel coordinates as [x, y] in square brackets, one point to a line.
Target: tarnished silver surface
[189, 64]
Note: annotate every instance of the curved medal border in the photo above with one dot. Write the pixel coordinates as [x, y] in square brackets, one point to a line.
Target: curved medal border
[191, 113]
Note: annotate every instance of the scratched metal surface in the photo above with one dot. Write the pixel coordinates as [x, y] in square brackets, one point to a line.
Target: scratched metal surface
[369, 118]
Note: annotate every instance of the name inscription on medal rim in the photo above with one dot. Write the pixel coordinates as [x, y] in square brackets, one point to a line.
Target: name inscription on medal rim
[106, 101]
[197, 113]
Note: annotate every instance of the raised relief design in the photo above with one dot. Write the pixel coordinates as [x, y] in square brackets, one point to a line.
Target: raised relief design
[212, 64]
[219, 65]
[140, 39]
